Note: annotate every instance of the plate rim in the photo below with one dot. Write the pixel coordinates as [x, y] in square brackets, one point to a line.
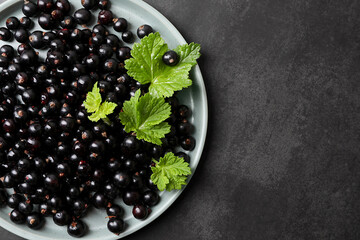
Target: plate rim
[23, 232]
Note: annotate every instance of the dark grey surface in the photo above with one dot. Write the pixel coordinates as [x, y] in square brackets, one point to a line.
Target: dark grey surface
[282, 156]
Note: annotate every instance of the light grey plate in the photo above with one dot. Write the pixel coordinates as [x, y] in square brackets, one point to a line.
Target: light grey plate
[137, 13]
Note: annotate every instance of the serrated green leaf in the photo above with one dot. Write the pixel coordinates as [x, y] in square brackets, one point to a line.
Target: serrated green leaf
[153, 134]
[93, 99]
[107, 108]
[146, 65]
[160, 179]
[93, 105]
[176, 182]
[172, 79]
[170, 172]
[154, 111]
[145, 116]
[96, 116]
[188, 53]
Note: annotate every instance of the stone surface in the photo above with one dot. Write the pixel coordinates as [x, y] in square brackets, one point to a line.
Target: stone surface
[281, 159]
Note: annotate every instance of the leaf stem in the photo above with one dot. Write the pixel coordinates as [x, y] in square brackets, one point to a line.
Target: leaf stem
[107, 121]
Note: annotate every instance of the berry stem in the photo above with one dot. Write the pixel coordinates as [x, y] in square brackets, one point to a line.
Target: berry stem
[107, 121]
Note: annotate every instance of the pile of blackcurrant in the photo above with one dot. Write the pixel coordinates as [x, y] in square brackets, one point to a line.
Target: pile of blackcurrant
[53, 160]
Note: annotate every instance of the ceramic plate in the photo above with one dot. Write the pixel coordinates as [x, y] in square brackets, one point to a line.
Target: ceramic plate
[137, 13]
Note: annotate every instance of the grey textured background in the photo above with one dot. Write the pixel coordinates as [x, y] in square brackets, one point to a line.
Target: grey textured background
[282, 154]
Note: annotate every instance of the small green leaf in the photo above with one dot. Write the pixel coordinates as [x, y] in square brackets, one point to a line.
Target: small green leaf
[170, 172]
[93, 99]
[107, 108]
[146, 65]
[93, 105]
[145, 116]
[188, 53]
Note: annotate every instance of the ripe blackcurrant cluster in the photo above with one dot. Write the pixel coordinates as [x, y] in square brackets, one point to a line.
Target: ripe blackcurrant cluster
[53, 160]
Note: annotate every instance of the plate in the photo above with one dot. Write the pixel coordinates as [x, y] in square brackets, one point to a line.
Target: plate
[137, 13]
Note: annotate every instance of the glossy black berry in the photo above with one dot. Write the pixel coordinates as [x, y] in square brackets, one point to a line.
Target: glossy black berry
[29, 8]
[24, 164]
[4, 61]
[113, 41]
[88, 4]
[123, 53]
[26, 22]
[171, 58]
[63, 6]
[99, 200]
[48, 37]
[36, 39]
[35, 221]
[12, 23]
[8, 125]
[25, 207]
[79, 207]
[183, 111]
[97, 147]
[46, 21]
[77, 228]
[115, 211]
[150, 198]
[57, 45]
[140, 212]
[120, 24]
[115, 225]
[184, 128]
[68, 22]
[131, 197]
[104, 4]
[105, 17]
[32, 178]
[45, 5]
[144, 30]
[127, 37]
[57, 15]
[56, 203]
[67, 124]
[29, 96]
[82, 16]
[17, 217]
[51, 182]
[105, 51]
[62, 218]
[92, 62]
[21, 35]
[14, 200]
[188, 143]
[28, 57]
[131, 144]
[110, 65]
[55, 58]
[121, 179]
[5, 34]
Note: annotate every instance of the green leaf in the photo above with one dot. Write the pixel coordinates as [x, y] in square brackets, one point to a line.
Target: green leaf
[107, 108]
[170, 172]
[172, 79]
[146, 65]
[188, 53]
[153, 133]
[145, 116]
[93, 99]
[176, 182]
[146, 58]
[93, 105]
